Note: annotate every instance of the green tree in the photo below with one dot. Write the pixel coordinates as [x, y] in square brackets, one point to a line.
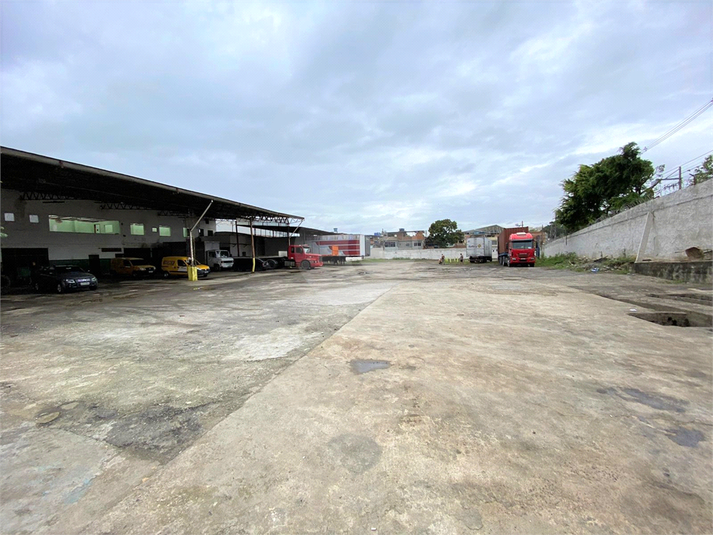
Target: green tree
[609, 185]
[703, 172]
[444, 232]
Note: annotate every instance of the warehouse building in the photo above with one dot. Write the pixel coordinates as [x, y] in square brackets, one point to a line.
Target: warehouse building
[56, 212]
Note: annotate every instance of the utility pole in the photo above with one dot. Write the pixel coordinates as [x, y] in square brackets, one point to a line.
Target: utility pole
[680, 178]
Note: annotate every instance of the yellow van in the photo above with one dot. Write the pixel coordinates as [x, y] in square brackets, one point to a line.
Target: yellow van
[178, 265]
[131, 267]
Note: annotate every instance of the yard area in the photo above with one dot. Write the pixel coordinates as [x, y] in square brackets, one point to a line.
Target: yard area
[388, 397]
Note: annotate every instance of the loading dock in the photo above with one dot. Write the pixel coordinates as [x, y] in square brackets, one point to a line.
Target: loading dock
[62, 212]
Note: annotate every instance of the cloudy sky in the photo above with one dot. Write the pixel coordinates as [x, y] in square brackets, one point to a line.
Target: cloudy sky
[358, 115]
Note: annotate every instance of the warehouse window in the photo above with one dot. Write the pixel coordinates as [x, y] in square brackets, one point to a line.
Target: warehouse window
[164, 231]
[80, 225]
[185, 232]
[137, 229]
[9, 216]
[34, 218]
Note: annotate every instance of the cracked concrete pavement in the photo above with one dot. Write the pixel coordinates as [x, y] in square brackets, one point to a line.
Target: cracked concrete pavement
[394, 397]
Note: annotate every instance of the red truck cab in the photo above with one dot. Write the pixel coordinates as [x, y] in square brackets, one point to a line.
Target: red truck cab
[299, 256]
[520, 250]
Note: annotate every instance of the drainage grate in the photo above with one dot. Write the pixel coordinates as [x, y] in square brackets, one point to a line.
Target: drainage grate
[675, 319]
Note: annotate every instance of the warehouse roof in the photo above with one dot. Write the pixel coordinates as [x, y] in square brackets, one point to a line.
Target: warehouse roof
[43, 178]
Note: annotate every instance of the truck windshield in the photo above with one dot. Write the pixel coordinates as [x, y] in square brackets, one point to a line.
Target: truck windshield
[223, 254]
[306, 250]
[522, 244]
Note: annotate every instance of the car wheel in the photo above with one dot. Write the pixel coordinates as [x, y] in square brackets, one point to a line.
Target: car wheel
[59, 288]
[36, 287]
[94, 288]
[304, 264]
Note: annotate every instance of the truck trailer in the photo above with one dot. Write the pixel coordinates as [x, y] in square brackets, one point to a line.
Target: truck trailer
[516, 247]
[479, 249]
[336, 248]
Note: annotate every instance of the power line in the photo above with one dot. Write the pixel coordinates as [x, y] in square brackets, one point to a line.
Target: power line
[689, 161]
[680, 125]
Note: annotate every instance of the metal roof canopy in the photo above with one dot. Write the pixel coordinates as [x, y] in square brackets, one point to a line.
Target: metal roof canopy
[302, 231]
[42, 178]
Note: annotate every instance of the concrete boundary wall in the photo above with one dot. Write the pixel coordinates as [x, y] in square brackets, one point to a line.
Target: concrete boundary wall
[427, 254]
[678, 221]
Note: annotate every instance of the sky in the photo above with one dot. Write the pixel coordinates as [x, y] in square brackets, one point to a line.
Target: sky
[364, 116]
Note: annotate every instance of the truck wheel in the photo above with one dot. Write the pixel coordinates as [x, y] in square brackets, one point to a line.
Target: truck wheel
[36, 287]
[304, 264]
[59, 288]
[217, 267]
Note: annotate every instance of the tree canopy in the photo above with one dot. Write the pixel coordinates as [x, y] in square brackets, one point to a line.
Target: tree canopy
[444, 232]
[604, 187]
[703, 172]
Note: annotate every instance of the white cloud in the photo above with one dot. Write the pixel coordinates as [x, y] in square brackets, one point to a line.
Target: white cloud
[357, 115]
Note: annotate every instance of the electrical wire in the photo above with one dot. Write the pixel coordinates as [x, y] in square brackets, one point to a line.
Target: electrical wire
[689, 161]
[680, 125]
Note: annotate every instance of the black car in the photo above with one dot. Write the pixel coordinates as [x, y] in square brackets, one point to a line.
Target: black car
[62, 279]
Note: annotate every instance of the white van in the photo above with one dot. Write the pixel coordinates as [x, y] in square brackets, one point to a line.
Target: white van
[219, 259]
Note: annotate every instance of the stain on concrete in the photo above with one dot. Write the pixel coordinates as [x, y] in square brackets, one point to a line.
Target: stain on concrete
[364, 366]
[78, 492]
[356, 453]
[47, 417]
[655, 401]
[471, 518]
[659, 402]
[158, 432]
[685, 437]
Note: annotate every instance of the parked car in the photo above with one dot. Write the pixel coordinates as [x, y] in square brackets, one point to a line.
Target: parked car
[62, 279]
[178, 266]
[131, 267]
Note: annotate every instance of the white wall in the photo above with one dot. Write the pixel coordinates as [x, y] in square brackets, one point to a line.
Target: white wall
[429, 254]
[680, 220]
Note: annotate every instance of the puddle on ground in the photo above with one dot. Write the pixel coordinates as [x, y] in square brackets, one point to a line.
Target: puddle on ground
[364, 366]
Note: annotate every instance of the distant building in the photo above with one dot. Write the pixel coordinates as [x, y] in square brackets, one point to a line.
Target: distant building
[403, 240]
[491, 230]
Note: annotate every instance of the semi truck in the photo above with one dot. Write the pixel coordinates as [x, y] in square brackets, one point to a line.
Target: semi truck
[479, 250]
[300, 256]
[516, 247]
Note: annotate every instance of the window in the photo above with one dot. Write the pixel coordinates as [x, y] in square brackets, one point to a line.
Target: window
[137, 229]
[34, 218]
[9, 216]
[81, 225]
[417, 244]
[210, 233]
[185, 232]
[389, 244]
[164, 231]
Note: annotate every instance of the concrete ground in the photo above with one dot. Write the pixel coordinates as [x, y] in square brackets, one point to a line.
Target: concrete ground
[388, 397]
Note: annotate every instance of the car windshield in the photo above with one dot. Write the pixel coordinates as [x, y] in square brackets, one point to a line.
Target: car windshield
[522, 244]
[68, 269]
